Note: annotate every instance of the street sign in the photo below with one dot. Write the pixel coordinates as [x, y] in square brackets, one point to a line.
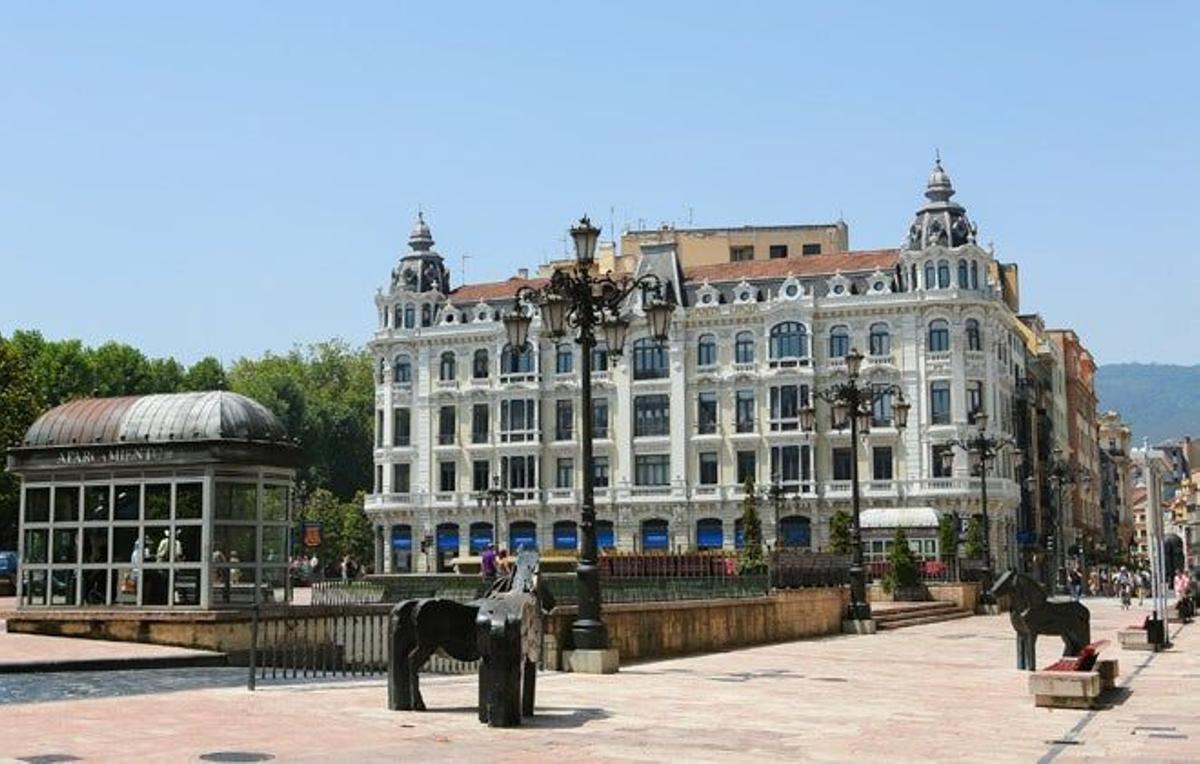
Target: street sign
[311, 533]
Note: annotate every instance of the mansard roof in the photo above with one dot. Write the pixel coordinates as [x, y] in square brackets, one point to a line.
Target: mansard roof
[805, 265]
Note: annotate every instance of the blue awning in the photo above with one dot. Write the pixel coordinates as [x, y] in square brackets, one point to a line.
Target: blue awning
[401, 537]
[522, 535]
[709, 533]
[447, 537]
[655, 537]
[566, 536]
[606, 537]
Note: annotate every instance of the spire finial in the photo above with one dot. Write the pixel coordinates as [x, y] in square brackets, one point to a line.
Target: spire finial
[937, 156]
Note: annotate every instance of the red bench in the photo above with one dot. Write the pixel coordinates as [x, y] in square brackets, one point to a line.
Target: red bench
[1085, 661]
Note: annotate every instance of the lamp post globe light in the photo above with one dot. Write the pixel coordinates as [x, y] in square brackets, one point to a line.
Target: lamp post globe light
[495, 497]
[986, 448]
[854, 403]
[577, 300]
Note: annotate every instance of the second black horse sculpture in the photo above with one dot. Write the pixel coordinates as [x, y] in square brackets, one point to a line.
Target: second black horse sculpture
[1032, 613]
[503, 630]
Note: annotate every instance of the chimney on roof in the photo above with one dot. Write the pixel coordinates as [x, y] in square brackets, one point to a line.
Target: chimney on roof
[523, 273]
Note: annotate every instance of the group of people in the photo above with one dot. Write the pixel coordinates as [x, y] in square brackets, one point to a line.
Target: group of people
[494, 563]
[1126, 583]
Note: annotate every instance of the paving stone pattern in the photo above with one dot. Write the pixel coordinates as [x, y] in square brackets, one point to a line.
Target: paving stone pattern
[938, 692]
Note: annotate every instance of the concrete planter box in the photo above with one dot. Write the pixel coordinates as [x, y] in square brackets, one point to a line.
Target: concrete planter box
[1065, 689]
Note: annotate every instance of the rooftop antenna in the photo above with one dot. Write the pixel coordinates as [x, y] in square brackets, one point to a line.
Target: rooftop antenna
[464, 257]
[937, 155]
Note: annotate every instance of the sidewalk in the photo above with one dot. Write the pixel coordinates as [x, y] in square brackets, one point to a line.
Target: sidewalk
[943, 692]
[32, 653]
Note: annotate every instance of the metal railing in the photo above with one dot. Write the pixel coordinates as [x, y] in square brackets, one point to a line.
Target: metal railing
[795, 569]
[347, 593]
[327, 642]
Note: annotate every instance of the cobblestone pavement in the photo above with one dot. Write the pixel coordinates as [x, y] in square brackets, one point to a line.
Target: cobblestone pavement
[940, 692]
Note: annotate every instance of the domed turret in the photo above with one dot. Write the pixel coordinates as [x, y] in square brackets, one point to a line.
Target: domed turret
[422, 269]
[941, 222]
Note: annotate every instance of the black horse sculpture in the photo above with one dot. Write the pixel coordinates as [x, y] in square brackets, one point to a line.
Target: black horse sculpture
[503, 628]
[1032, 614]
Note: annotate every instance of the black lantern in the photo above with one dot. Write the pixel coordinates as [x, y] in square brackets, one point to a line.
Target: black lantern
[864, 419]
[554, 315]
[981, 420]
[585, 235]
[615, 328]
[854, 360]
[658, 313]
[516, 325]
[841, 407]
[808, 418]
[901, 411]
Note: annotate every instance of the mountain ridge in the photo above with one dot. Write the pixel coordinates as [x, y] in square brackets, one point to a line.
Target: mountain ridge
[1160, 401]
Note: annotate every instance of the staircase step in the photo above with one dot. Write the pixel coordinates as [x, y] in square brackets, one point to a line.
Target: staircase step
[919, 620]
[913, 608]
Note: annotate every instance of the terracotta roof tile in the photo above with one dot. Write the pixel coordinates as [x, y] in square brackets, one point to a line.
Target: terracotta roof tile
[805, 265]
[494, 290]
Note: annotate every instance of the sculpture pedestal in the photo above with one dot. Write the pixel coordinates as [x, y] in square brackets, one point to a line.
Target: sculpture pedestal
[858, 626]
[1135, 639]
[605, 661]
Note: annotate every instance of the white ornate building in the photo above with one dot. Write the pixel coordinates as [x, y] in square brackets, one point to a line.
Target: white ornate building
[680, 427]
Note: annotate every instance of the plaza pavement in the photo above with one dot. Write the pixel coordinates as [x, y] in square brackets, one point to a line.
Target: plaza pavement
[940, 692]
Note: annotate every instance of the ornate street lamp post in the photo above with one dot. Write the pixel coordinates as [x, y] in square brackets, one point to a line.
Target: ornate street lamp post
[495, 497]
[854, 402]
[986, 448]
[1062, 474]
[577, 300]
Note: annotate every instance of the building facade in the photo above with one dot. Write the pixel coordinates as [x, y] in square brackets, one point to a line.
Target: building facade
[1117, 480]
[1086, 526]
[681, 427]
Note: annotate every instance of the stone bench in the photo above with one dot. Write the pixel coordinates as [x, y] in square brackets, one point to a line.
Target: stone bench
[1074, 681]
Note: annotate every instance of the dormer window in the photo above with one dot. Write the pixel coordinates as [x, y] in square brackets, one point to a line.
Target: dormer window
[943, 274]
[409, 317]
[964, 281]
[930, 275]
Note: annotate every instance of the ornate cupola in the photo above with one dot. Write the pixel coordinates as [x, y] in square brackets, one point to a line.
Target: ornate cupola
[941, 222]
[422, 269]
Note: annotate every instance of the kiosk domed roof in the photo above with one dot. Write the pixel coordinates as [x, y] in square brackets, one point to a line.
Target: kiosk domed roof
[166, 418]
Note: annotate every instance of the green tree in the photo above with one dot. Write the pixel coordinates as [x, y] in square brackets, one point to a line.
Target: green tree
[751, 559]
[357, 535]
[841, 536]
[324, 395]
[19, 406]
[902, 565]
[205, 374]
[947, 537]
[164, 375]
[120, 370]
[973, 544]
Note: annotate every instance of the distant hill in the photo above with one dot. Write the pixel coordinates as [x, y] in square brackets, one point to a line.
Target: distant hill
[1160, 401]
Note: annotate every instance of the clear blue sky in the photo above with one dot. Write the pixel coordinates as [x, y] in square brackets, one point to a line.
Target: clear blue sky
[231, 178]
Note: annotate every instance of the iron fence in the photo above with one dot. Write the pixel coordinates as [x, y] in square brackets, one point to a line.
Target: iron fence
[327, 641]
[347, 593]
[796, 569]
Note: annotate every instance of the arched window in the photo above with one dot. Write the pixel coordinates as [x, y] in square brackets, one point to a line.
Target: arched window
[943, 274]
[606, 534]
[930, 275]
[447, 367]
[963, 280]
[788, 340]
[402, 369]
[912, 278]
[880, 340]
[649, 359]
[743, 347]
[795, 531]
[839, 342]
[479, 364]
[706, 350]
[974, 275]
[516, 361]
[426, 314]
[409, 316]
[401, 549]
[600, 356]
[397, 318]
[974, 340]
[709, 534]
[939, 336]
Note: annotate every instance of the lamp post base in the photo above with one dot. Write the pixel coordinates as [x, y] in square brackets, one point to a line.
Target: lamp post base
[606, 661]
[858, 626]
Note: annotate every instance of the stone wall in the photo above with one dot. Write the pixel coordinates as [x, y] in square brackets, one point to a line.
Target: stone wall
[655, 630]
